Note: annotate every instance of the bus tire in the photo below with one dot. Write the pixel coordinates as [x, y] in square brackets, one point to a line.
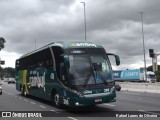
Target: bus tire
[56, 99]
[25, 93]
[22, 91]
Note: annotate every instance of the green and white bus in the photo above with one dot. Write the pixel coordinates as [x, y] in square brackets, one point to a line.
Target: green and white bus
[72, 73]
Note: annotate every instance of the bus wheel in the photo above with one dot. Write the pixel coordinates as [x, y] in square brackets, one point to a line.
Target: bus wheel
[56, 99]
[22, 91]
[25, 93]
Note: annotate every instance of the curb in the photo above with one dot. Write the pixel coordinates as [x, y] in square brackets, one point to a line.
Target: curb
[141, 90]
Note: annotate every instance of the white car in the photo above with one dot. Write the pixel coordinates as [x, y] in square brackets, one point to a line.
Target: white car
[11, 80]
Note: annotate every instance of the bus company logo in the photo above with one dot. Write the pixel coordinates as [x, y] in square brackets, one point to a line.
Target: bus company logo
[84, 44]
[6, 114]
[37, 79]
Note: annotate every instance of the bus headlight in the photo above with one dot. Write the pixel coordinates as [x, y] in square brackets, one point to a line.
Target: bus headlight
[77, 103]
[112, 89]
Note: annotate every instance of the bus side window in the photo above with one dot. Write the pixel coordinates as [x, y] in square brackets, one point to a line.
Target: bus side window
[40, 64]
[49, 63]
[32, 67]
[62, 73]
[58, 59]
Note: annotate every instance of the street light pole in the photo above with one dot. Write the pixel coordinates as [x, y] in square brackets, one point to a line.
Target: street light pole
[84, 19]
[35, 44]
[143, 45]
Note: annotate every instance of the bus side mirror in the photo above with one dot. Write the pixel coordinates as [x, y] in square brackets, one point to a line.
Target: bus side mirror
[66, 61]
[117, 60]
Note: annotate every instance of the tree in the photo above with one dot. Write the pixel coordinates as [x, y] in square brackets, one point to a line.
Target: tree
[157, 76]
[1, 73]
[2, 41]
[9, 72]
[150, 68]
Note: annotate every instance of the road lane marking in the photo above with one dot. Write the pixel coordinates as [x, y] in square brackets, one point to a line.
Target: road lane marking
[54, 111]
[130, 93]
[139, 98]
[72, 118]
[109, 104]
[149, 112]
[25, 100]
[32, 103]
[10, 94]
[42, 106]
[12, 86]
[19, 97]
[4, 91]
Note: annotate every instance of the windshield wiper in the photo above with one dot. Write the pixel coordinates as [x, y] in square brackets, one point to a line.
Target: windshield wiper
[87, 79]
[103, 79]
[94, 68]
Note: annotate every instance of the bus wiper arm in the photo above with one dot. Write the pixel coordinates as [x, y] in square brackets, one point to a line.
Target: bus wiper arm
[87, 79]
[94, 68]
[103, 79]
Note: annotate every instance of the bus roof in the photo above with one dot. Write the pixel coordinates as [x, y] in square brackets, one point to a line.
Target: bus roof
[65, 45]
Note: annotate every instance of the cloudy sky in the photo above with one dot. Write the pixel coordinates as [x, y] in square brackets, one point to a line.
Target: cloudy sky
[115, 24]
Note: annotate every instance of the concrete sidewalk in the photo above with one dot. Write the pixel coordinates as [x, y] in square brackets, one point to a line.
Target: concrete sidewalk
[140, 87]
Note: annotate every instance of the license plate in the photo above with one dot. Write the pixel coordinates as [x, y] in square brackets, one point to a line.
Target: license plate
[98, 100]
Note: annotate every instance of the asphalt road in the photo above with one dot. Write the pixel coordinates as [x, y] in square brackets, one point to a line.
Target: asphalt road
[131, 103]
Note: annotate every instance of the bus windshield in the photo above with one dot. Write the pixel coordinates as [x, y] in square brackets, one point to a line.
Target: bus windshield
[89, 66]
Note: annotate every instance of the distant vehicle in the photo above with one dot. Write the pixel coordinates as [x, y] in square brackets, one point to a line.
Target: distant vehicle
[6, 79]
[11, 80]
[134, 75]
[0, 90]
[117, 87]
[151, 77]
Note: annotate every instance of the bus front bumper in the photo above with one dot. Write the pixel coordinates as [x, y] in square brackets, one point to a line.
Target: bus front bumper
[92, 99]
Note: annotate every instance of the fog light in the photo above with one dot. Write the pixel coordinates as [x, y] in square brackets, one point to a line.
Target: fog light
[77, 103]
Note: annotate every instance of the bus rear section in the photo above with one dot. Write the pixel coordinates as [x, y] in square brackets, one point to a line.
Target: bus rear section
[80, 74]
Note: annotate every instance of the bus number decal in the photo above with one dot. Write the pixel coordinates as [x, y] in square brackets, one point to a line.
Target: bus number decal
[106, 90]
[65, 101]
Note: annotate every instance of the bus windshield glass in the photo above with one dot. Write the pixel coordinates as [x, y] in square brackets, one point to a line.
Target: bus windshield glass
[89, 66]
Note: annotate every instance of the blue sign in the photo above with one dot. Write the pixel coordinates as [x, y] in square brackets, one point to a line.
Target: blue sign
[126, 74]
[117, 73]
